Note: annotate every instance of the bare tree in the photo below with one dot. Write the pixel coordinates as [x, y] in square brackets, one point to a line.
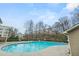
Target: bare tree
[75, 16]
[57, 27]
[64, 23]
[49, 29]
[40, 28]
[15, 31]
[36, 31]
[10, 31]
[29, 27]
[44, 31]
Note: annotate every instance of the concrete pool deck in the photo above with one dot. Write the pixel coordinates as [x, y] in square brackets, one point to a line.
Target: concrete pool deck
[50, 51]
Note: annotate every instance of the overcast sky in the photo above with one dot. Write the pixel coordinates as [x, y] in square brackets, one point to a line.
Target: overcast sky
[17, 14]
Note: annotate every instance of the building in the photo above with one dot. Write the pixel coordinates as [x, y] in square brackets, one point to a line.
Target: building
[73, 38]
[20, 35]
[4, 30]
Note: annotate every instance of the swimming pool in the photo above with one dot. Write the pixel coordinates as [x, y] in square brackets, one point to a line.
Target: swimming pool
[29, 46]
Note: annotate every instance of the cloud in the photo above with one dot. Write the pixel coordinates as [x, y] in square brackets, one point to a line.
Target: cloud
[71, 6]
[48, 17]
[68, 9]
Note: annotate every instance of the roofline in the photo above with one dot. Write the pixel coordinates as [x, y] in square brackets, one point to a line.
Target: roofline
[71, 29]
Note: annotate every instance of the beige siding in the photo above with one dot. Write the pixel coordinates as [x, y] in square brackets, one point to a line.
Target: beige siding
[74, 42]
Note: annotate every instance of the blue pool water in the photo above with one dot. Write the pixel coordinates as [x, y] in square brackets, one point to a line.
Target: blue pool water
[30, 46]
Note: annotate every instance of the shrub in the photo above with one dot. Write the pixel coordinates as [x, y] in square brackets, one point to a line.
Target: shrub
[13, 38]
